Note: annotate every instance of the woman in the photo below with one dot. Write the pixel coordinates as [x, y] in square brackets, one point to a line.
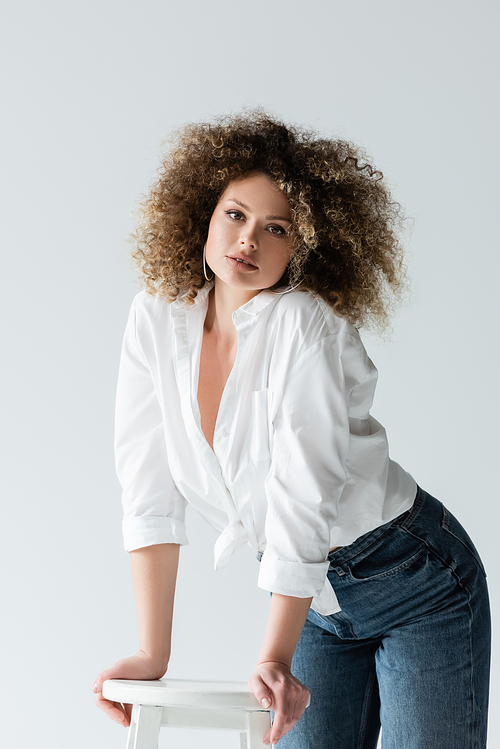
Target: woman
[245, 390]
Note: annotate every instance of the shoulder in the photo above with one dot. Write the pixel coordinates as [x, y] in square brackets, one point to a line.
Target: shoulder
[310, 336]
[304, 315]
[149, 322]
[150, 308]
[319, 346]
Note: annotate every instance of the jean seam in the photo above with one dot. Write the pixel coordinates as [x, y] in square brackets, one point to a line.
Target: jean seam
[366, 708]
[474, 553]
[471, 709]
[472, 698]
[344, 621]
[466, 592]
[444, 562]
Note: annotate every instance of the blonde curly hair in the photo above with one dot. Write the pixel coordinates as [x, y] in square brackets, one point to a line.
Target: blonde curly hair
[345, 224]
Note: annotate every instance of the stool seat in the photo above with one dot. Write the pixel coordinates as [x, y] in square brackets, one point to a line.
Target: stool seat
[182, 693]
[180, 703]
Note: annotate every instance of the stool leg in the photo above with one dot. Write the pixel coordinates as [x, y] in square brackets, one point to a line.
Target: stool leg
[132, 731]
[145, 724]
[259, 721]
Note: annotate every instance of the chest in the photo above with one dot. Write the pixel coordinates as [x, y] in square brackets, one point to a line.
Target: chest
[216, 363]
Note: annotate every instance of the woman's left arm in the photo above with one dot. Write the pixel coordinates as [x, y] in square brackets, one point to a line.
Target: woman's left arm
[272, 681]
[327, 384]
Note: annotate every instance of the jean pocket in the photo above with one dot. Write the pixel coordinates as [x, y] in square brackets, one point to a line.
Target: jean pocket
[395, 555]
[450, 524]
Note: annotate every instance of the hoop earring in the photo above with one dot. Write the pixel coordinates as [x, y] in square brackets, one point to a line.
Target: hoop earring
[205, 267]
[280, 293]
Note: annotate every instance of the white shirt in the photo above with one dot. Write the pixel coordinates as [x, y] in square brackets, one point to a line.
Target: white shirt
[298, 464]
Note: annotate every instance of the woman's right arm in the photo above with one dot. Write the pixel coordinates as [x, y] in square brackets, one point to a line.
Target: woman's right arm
[154, 574]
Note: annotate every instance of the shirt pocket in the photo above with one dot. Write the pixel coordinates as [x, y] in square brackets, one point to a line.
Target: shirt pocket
[259, 425]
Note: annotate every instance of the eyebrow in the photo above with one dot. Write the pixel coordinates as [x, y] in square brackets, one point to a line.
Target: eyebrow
[268, 218]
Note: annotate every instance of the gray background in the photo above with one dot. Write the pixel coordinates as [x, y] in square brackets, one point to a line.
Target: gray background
[90, 90]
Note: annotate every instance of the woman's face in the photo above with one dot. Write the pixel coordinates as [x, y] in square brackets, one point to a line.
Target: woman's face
[247, 245]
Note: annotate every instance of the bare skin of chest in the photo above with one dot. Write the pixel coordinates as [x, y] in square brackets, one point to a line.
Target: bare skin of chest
[216, 363]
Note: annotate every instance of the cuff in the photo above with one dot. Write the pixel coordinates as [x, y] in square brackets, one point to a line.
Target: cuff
[149, 530]
[297, 579]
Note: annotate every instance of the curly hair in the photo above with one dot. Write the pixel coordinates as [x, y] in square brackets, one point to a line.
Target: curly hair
[345, 225]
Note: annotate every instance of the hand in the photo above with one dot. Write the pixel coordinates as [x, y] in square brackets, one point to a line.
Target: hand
[274, 686]
[139, 666]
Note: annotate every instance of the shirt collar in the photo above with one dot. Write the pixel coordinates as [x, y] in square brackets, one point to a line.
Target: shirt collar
[180, 304]
[258, 302]
[253, 307]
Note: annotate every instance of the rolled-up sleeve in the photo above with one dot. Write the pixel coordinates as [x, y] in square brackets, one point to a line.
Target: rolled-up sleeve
[153, 508]
[307, 474]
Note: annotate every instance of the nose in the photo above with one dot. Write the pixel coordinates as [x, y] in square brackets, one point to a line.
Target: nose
[248, 237]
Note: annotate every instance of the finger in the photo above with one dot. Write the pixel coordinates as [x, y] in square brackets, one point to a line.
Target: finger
[298, 710]
[284, 706]
[289, 708]
[279, 728]
[109, 673]
[128, 714]
[117, 671]
[113, 710]
[300, 706]
[261, 691]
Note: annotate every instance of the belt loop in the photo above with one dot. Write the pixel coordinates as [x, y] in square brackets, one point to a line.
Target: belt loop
[340, 572]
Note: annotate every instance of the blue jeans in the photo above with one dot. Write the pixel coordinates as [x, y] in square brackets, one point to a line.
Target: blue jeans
[410, 650]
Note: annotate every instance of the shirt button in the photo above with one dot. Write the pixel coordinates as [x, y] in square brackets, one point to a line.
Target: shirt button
[222, 433]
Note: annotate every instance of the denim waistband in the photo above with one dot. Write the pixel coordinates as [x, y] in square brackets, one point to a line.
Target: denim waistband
[345, 553]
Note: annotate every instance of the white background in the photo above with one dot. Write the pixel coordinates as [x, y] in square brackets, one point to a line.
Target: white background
[90, 90]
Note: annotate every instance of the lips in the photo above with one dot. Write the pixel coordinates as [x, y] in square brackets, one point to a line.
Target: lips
[243, 260]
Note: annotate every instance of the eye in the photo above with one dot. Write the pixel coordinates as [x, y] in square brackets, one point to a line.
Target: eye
[278, 230]
[235, 215]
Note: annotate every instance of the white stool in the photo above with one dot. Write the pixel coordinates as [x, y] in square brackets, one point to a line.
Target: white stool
[226, 706]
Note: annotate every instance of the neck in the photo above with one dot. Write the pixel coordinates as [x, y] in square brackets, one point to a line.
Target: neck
[223, 300]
